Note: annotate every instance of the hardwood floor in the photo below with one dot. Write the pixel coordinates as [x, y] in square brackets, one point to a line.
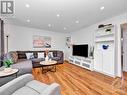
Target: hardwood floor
[75, 80]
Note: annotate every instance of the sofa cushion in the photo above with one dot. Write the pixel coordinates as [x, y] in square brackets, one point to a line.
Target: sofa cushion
[25, 91]
[37, 60]
[56, 58]
[41, 55]
[20, 60]
[54, 53]
[37, 86]
[21, 54]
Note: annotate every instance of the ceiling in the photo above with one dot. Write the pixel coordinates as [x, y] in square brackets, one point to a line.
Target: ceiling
[65, 15]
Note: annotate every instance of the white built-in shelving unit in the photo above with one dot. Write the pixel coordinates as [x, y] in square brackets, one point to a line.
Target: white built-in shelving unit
[104, 50]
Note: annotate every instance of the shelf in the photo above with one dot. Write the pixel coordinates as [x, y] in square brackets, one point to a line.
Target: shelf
[104, 41]
[110, 34]
[106, 27]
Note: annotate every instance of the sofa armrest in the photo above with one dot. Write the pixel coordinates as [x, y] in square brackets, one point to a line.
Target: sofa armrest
[15, 84]
[53, 89]
[24, 67]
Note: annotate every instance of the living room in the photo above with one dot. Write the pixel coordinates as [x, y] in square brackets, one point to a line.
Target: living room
[69, 44]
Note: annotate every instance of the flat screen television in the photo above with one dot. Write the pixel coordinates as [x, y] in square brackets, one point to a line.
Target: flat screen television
[80, 50]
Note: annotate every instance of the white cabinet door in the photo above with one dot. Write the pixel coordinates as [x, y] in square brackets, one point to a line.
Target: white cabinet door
[98, 60]
[108, 62]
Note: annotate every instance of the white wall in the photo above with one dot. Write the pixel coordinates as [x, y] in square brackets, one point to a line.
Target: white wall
[20, 38]
[124, 49]
[86, 35]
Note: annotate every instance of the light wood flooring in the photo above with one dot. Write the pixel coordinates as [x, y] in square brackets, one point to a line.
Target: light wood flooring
[75, 80]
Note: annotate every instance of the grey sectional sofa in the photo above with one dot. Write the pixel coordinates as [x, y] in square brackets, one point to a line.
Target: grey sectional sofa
[26, 85]
[24, 67]
[21, 55]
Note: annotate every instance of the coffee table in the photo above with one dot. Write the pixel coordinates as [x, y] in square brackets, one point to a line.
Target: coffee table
[6, 74]
[48, 66]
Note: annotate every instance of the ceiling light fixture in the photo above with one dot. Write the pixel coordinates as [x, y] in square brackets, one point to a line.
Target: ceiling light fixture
[65, 28]
[58, 15]
[102, 8]
[49, 25]
[77, 21]
[28, 20]
[27, 5]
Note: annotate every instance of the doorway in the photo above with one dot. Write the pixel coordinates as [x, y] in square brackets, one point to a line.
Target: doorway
[124, 47]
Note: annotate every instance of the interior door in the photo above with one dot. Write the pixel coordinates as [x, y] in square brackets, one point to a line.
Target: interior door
[125, 50]
[98, 60]
[108, 60]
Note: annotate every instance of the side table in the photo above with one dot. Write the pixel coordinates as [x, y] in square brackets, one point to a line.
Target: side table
[6, 74]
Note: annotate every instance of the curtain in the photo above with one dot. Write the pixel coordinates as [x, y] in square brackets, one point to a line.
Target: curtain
[1, 40]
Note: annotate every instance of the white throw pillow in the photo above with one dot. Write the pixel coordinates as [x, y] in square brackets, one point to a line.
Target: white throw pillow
[50, 54]
[29, 55]
[41, 55]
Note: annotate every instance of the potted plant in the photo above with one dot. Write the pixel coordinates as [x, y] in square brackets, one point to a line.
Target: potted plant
[7, 64]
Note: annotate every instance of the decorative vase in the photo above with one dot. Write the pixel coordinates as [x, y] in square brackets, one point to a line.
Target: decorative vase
[8, 69]
[46, 58]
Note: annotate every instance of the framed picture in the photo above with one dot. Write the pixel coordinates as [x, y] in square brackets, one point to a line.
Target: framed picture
[68, 42]
[41, 41]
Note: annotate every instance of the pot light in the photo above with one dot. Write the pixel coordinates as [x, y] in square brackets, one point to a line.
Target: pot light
[77, 21]
[102, 8]
[65, 28]
[58, 15]
[27, 5]
[49, 25]
[28, 20]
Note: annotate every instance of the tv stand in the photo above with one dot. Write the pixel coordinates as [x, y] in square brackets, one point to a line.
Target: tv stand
[86, 63]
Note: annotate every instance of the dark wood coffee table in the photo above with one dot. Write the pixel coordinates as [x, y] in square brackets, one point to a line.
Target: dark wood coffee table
[48, 66]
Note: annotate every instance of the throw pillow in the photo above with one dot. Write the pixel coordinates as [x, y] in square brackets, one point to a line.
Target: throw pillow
[29, 55]
[14, 56]
[41, 55]
[50, 54]
[32, 57]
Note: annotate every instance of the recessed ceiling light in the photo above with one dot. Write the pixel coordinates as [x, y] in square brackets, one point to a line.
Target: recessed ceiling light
[65, 28]
[27, 5]
[58, 15]
[102, 8]
[49, 25]
[77, 21]
[28, 20]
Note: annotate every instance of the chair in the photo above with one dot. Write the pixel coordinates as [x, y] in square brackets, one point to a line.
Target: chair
[26, 85]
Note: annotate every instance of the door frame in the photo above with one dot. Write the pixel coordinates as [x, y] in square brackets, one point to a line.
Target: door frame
[122, 39]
